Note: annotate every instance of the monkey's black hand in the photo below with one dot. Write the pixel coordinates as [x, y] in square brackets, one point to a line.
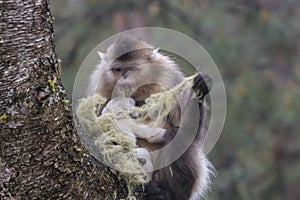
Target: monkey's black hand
[202, 85]
[154, 191]
[138, 192]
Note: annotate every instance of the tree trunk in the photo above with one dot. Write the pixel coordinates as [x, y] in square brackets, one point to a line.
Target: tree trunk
[41, 154]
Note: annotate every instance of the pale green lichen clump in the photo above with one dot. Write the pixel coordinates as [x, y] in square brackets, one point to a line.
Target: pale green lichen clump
[114, 146]
[159, 105]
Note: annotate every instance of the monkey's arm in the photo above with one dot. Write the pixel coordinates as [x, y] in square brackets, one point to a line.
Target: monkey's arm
[139, 130]
[151, 134]
[177, 181]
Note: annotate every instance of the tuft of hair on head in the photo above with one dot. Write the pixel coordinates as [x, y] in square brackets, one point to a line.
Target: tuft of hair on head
[125, 44]
[129, 47]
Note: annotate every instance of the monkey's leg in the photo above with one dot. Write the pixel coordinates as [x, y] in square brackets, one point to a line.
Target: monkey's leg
[176, 181]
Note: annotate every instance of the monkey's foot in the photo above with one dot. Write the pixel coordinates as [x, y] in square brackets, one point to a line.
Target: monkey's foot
[154, 191]
[202, 85]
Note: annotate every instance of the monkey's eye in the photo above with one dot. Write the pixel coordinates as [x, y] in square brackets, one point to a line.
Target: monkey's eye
[117, 70]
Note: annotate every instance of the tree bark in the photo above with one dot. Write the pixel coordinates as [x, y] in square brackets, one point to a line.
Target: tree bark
[41, 154]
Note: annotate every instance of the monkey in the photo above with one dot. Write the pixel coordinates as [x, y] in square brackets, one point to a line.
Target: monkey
[136, 69]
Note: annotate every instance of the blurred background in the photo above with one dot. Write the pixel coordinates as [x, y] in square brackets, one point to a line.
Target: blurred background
[256, 46]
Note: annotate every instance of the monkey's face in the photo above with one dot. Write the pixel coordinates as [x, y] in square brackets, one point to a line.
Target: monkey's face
[134, 79]
[123, 73]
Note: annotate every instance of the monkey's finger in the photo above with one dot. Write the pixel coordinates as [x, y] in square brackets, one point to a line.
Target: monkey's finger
[203, 79]
[201, 89]
[142, 161]
[202, 84]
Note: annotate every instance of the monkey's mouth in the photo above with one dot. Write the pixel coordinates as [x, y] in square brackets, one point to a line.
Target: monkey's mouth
[135, 94]
[139, 94]
[129, 91]
[125, 90]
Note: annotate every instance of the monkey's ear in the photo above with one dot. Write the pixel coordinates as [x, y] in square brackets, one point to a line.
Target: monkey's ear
[101, 55]
[154, 52]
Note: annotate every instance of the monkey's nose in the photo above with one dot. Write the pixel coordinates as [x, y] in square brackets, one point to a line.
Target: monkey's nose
[124, 76]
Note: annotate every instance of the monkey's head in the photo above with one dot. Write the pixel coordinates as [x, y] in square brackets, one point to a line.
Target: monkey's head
[135, 68]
